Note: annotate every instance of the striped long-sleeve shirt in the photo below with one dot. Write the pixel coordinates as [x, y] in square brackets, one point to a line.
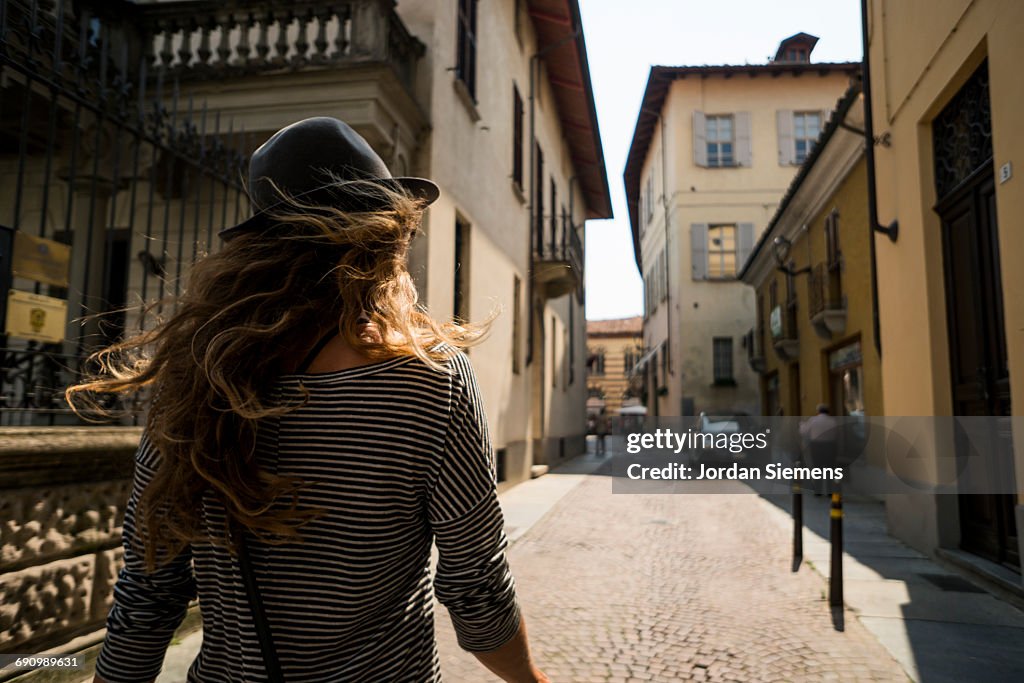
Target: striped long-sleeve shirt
[397, 455]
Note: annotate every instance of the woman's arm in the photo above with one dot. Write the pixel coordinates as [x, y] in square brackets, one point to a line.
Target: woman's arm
[148, 605]
[512, 661]
[473, 579]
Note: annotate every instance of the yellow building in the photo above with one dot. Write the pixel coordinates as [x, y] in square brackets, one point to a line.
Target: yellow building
[812, 340]
[713, 151]
[946, 97]
[613, 349]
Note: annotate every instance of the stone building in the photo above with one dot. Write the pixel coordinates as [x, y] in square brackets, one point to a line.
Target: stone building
[122, 157]
[713, 151]
[613, 349]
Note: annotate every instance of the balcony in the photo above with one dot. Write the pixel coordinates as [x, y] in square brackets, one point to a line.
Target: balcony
[826, 304]
[558, 259]
[264, 64]
[784, 331]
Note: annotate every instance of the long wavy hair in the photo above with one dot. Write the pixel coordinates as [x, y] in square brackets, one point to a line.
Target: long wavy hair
[247, 312]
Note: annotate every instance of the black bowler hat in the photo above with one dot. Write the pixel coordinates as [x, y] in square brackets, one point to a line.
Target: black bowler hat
[299, 159]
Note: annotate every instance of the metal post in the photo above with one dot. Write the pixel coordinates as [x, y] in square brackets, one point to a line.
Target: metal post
[835, 580]
[798, 526]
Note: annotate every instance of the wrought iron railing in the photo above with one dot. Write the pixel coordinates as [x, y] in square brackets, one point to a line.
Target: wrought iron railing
[204, 38]
[560, 242]
[98, 152]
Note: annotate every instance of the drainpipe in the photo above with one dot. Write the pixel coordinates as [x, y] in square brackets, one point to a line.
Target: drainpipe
[891, 230]
[668, 271]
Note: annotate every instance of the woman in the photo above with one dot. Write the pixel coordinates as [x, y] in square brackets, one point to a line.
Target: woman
[310, 433]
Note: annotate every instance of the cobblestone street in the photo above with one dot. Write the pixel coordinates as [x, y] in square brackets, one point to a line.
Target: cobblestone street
[673, 588]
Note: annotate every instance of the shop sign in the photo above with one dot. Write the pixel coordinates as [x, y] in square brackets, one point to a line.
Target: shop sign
[846, 356]
[775, 322]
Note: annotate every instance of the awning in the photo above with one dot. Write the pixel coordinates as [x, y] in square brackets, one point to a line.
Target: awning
[644, 359]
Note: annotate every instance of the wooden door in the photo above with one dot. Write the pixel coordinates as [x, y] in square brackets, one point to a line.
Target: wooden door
[978, 358]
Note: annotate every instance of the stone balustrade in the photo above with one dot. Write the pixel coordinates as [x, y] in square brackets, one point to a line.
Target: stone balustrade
[62, 497]
[208, 38]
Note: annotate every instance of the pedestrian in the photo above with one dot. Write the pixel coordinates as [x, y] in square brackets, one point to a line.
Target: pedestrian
[310, 434]
[821, 432]
[601, 428]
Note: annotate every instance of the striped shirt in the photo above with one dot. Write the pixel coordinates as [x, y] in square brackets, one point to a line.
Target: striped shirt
[397, 455]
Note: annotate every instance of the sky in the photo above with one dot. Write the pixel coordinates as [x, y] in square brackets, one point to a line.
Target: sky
[624, 38]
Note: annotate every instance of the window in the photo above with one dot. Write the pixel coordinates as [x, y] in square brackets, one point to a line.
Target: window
[722, 360]
[663, 275]
[572, 342]
[553, 218]
[517, 19]
[517, 138]
[722, 140]
[832, 251]
[629, 359]
[721, 252]
[465, 61]
[596, 363]
[663, 353]
[554, 351]
[538, 201]
[806, 128]
[460, 299]
[517, 322]
[649, 199]
[718, 132]
[846, 380]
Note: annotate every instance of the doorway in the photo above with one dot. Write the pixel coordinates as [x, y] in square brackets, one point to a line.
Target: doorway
[980, 377]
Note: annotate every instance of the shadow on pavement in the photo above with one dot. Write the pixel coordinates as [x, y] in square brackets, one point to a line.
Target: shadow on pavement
[939, 625]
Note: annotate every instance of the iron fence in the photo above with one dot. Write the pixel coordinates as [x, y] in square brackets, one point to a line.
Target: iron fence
[99, 151]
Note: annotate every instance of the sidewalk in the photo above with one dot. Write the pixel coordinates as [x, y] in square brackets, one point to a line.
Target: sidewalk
[938, 625]
[699, 587]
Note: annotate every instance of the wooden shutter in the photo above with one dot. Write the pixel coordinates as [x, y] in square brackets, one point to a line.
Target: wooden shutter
[744, 244]
[787, 151]
[744, 154]
[699, 251]
[700, 139]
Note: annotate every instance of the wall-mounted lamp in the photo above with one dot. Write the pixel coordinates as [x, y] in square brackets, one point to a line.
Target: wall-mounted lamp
[781, 247]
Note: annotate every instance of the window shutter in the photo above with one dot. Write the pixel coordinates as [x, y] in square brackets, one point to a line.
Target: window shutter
[699, 250]
[700, 139]
[744, 154]
[787, 152]
[745, 244]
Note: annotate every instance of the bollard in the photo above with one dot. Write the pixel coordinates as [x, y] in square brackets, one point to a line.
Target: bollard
[835, 580]
[798, 526]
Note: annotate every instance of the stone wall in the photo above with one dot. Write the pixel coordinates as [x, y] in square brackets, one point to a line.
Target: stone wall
[62, 497]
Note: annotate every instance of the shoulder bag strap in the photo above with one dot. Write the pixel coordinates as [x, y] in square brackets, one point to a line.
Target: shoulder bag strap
[315, 351]
[259, 616]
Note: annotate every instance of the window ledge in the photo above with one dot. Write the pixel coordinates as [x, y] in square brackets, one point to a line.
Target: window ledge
[517, 190]
[467, 100]
[724, 383]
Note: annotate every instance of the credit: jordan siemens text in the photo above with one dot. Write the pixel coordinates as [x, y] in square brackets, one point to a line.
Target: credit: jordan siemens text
[679, 471]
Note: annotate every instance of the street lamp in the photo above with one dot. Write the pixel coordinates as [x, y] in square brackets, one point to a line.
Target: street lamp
[781, 247]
